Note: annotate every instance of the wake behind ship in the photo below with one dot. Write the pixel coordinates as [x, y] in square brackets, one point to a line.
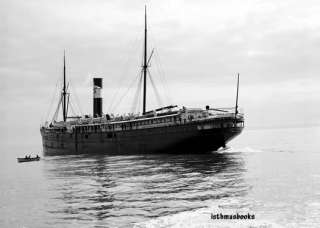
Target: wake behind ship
[167, 129]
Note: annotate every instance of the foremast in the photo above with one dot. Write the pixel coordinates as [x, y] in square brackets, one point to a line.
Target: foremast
[64, 98]
[236, 108]
[64, 91]
[145, 64]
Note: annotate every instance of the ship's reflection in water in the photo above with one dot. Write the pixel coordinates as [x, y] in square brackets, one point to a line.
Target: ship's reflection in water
[116, 191]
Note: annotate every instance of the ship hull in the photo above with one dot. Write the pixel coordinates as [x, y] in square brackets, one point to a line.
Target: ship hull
[188, 138]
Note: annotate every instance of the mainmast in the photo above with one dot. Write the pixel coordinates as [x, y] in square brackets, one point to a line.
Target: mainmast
[145, 64]
[64, 92]
[236, 110]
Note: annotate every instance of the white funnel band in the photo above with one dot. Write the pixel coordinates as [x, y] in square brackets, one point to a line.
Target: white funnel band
[96, 92]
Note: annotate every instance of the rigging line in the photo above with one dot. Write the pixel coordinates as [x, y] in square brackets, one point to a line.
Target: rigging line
[138, 107]
[57, 109]
[68, 98]
[76, 107]
[162, 74]
[160, 70]
[52, 100]
[139, 100]
[77, 104]
[148, 62]
[124, 73]
[137, 93]
[155, 90]
[68, 105]
[126, 92]
[163, 84]
[77, 101]
[164, 78]
[72, 110]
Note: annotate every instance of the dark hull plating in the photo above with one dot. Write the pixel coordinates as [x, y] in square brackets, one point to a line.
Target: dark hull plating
[186, 138]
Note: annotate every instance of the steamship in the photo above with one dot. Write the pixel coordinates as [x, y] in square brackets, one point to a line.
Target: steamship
[169, 129]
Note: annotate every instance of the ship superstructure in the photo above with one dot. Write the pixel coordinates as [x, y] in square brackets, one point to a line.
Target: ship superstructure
[167, 129]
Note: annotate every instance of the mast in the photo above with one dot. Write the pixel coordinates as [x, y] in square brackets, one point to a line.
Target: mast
[236, 110]
[145, 66]
[64, 92]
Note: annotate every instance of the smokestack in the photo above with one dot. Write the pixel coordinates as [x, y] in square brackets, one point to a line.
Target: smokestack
[97, 99]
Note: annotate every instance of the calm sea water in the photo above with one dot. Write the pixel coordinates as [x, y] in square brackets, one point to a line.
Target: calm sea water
[273, 174]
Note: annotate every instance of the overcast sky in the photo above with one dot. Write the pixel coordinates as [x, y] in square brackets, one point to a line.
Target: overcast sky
[200, 45]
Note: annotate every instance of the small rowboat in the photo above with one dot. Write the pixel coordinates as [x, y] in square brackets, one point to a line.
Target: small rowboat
[28, 159]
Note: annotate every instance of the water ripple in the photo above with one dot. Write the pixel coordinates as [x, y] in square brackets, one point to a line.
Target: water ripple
[106, 188]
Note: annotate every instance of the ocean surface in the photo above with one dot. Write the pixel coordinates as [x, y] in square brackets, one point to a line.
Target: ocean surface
[273, 174]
